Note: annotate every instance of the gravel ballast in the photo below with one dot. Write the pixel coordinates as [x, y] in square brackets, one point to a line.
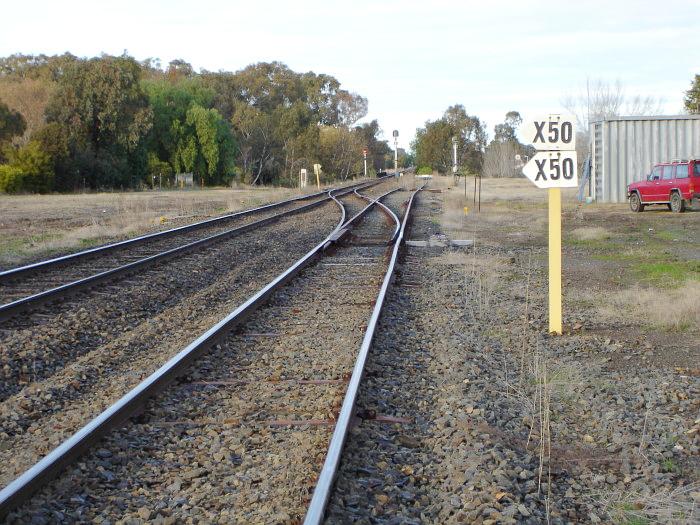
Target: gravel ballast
[52, 276]
[468, 412]
[500, 422]
[91, 354]
[243, 436]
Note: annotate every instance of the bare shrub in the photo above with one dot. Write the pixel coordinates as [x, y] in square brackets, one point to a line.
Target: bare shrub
[500, 161]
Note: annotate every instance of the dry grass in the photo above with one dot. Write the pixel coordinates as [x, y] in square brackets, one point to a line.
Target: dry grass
[590, 233]
[513, 210]
[543, 387]
[500, 191]
[478, 264]
[675, 507]
[673, 309]
[509, 201]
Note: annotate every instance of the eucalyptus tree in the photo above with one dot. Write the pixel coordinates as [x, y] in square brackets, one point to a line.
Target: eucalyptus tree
[692, 97]
[433, 143]
[105, 116]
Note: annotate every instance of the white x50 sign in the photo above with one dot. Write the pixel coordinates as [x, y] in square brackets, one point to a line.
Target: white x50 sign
[551, 132]
[552, 169]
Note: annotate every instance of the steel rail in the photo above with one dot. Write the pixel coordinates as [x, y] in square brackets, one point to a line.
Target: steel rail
[366, 208]
[13, 273]
[133, 402]
[386, 210]
[326, 478]
[13, 308]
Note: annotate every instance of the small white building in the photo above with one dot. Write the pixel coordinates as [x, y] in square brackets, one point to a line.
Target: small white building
[184, 180]
[624, 149]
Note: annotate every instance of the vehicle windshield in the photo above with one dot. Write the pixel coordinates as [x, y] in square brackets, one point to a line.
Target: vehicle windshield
[655, 174]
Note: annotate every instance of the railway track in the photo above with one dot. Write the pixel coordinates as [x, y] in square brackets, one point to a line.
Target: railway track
[29, 286]
[129, 328]
[61, 372]
[256, 409]
[99, 327]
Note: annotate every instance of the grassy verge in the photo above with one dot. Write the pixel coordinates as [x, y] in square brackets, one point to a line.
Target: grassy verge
[628, 268]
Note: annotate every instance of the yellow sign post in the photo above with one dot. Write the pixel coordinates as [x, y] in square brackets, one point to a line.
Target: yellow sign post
[553, 167]
[317, 172]
[555, 260]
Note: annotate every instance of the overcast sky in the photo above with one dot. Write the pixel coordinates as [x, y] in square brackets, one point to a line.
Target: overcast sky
[411, 59]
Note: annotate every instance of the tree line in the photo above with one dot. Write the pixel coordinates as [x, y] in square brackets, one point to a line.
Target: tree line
[114, 122]
[433, 145]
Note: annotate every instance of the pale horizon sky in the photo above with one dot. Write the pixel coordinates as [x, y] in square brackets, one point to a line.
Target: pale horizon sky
[411, 59]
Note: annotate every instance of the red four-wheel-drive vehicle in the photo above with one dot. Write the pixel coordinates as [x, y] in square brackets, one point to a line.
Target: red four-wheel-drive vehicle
[674, 184]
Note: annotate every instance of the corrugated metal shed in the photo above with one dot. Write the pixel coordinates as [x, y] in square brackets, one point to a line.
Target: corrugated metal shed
[624, 149]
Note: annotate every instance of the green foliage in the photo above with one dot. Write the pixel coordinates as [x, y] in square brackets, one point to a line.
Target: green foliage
[187, 135]
[377, 150]
[104, 113]
[425, 170]
[11, 178]
[692, 96]
[407, 159]
[11, 123]
[669, 273]
[54, 142]
[669, 465]
[44, 67]
[339, 150]
[505, 132]
[114, 122]
[158, 169]
[170, 102]
[30, 169]
[206, 146]
[500, 157]
[275, 113]
[433, 143]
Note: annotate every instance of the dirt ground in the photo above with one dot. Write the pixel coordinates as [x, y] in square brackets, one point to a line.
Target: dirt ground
[33, 227]
[504, 423]
[631, 305]
[631, 273]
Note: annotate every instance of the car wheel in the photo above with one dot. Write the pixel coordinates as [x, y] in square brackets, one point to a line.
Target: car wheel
[635, 203]
[677, 203]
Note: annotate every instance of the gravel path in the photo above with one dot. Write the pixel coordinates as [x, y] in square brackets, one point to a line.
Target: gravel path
[503, 424]
[243, 436]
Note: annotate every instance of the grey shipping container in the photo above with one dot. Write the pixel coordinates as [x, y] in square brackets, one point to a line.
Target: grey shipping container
[624, 149]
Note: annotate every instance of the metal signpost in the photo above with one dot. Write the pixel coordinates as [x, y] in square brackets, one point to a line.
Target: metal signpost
[455, 141]
[396, 152]
[553, 167]
[364, 154]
